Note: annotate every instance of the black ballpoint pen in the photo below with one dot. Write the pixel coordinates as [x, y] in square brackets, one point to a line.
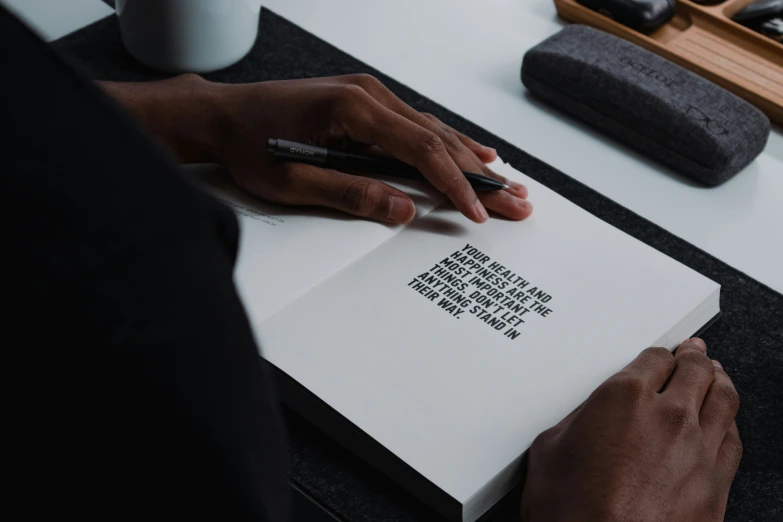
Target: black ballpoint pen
[285, 150]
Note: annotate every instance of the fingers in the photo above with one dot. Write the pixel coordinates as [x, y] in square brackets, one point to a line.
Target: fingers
[467, 154]
[514, 188]
[719, 409]
[506, 204]
[693, 375]
[511, 202]
[368, 121]
[654, 366]
[358, 196]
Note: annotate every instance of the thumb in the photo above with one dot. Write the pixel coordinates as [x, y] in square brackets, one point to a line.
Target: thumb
[355, 195]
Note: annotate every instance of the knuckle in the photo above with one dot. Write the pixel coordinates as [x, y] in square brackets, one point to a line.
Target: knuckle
[366, 81]
[626, 386]
[697, 362]
[190, 77]
[734, 449]
[350, 95]
[360, 198]
[728, 395]
[657, 352]
[655, 359]
[655, 356]
[432, 145]
[449, 139]
[679, 417]
[544, 439]
[347, 103]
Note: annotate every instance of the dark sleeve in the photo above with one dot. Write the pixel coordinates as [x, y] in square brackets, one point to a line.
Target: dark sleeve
[141, 394]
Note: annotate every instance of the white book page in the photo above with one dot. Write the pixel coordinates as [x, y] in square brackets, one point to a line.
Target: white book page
[286, 251]
[459, 391]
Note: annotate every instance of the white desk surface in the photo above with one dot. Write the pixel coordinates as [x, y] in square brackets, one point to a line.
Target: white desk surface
[466, 55]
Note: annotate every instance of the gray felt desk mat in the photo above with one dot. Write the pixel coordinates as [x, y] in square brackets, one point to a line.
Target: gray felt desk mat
[748, 339]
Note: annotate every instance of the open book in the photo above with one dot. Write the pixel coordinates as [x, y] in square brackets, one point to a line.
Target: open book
[449, 344]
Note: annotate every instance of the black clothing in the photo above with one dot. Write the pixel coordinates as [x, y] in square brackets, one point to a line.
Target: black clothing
[144, 394]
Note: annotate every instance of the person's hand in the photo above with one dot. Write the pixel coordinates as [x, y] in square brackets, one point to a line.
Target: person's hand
[339, 112]
[231, 124]
[655, 442]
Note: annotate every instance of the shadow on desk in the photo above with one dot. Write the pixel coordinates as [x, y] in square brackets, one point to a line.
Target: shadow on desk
[305, 508]
[327, 476]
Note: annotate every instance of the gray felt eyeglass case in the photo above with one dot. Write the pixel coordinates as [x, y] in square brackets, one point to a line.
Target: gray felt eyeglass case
[639, 98]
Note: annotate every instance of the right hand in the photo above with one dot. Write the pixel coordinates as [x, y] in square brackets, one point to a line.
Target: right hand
[201, 121]
[655, 442]
[345, 111]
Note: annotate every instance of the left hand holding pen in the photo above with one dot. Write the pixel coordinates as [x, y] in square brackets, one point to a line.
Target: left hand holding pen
[201, 121]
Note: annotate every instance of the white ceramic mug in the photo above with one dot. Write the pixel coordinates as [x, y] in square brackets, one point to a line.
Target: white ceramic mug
[188, 35]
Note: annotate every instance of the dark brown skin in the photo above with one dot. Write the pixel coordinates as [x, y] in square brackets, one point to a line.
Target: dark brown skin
[656, 442]
[200, 121]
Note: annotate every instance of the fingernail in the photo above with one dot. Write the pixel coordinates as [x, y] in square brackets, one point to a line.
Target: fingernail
[481, 212]
[526, 207]
[717, 364]
[401, 210]
[489, 149]
[699, 343]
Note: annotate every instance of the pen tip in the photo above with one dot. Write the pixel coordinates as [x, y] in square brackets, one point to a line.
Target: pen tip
[506, 186]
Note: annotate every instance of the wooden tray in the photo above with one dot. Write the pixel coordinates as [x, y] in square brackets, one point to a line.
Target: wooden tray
[704, 39]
